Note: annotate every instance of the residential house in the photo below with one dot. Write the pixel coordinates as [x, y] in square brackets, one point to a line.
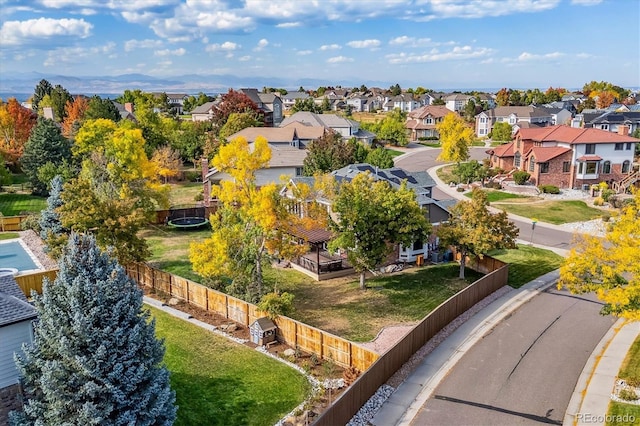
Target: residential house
[346, 128]
[422, 122]
[289, 100]
[203, 112]
[430, 98]
[457, 101]
[559, 115]
[125, 111]
[613, 121]
[360, 104]
[269, 104]
[404, 102]
[568, 157]
[420, 182]
[16, 318]
[514, 115]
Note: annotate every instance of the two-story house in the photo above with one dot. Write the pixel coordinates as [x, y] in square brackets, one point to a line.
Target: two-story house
[514, 115]
[567, 157]
[422, 122]
[613, 121]
[289, 100]
[269, 104]
[346, 128]
[404, 102]
[457, 101]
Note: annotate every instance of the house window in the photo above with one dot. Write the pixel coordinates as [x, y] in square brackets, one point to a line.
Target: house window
[518, 143]
[628, 148]
[592, 168]
[544, 167]
[483, 131]
[590, 148]
[606, 167]
[625, 166]
[429, 120]
[516, 160]
[483, 119]
[298, 171]
[566, 166]
[619, 147]
[417, 245]
[605, 127]
[532, 164]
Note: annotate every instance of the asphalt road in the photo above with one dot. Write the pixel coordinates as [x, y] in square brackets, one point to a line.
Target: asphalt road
[524, 371]
[424, 159]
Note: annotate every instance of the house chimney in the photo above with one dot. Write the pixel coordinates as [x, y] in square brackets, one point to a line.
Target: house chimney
[623, 130]
[128, 107]
[47, 112]
[206, 186]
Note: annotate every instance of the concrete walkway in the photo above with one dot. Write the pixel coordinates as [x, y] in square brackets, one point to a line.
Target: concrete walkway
[590, 400]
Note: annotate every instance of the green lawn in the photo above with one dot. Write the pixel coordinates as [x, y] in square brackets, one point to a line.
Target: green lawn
[170, 249]
[630, 370]
[556, 212]
[493, 196]
[219, 382]
[431, 144]
[15, 204]
[527, 263]
[184, 193]
[9, 235]
[341, 308]
[394, 152]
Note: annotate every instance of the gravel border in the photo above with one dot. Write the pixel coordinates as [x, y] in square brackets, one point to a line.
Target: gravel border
[36, 245]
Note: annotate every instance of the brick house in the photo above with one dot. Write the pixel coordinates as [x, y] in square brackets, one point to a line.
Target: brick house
[567, 157]
[422, 122]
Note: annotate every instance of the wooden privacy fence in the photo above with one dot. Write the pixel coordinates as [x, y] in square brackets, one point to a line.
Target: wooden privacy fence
[293, 333]
[11, 223]
[33, 282]
[356, 395]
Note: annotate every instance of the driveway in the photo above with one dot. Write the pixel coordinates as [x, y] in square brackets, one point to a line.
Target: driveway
[525, 370]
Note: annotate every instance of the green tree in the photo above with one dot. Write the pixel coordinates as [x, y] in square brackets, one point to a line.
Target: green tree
[473, 230]
[46, 144]
[395, 89]
[95, 358]
[238, 121]
[468, 172]
[392, 128]
[609, 266]
[101, 108]
[43, 89]
[501, 132]
[372, 217]
[326, 154]
[380, 157]
[51, 229]
[59, 98]
[455, 138]
[470, 111]
[307, 104]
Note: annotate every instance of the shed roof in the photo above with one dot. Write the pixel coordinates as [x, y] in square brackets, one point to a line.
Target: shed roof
[264, 323]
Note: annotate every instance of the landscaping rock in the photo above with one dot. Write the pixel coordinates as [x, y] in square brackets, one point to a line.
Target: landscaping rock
[289, 352]
[173, 301]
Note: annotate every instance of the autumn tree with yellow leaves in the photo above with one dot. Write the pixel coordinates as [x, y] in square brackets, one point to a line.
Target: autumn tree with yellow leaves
[610, 266]
[251, 224]
[455, 137]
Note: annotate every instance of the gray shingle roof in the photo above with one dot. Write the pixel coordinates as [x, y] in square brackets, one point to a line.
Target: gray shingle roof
[13, 303]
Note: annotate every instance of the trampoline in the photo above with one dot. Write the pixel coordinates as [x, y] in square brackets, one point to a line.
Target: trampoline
[187, 217]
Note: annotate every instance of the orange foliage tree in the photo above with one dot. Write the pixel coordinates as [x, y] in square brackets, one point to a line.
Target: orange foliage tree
[16, 123]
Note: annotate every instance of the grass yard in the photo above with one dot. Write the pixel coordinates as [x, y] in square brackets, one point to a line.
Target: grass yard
[218, 382]
[394, 152]
[493, 196]
[340, 307]
[446, 174]
[431, 144]
[8, 235]
[527, 263]
[629, 371]
[15, 204]
[556, 212]
[170, 249]
[184, 193]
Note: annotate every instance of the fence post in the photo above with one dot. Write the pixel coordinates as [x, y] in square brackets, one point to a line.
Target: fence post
[187, 289]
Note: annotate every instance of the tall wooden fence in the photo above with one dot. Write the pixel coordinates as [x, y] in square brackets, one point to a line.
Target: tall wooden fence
[293, 333]
[11, 223]
[33, 282]
[356, 395]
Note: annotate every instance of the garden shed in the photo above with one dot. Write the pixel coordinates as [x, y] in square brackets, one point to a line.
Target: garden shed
[263, 331]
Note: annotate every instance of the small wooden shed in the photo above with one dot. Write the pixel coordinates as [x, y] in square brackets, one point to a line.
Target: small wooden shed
[263, 331]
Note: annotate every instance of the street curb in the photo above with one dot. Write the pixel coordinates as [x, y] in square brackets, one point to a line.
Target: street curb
[510, 302]
[594, 366]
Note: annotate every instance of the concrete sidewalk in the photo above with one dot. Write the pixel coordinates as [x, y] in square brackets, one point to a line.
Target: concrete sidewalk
[404, 404]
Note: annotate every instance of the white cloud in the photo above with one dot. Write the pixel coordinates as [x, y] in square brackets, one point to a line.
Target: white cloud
[330, 47]
[76, 55]
[167, 52]
[412, 42]
[289, 25]
[244, 58]
[364, 44]
[526, 56]
[130, 45]
[457, 53]
[475, 9]
[304, 52]
[339, 59]
[226, 46]
[261, 45]
[15, 33]
[586, 2]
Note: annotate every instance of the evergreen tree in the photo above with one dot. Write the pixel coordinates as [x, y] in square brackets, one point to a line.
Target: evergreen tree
[43, 89]
[95, 358]
[101, 108]
[46, 144]
[51, 230]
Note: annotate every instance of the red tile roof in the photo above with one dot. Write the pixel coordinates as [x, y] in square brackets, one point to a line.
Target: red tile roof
[590, 158]
[505, 150]
[573, 135]
[543, 154]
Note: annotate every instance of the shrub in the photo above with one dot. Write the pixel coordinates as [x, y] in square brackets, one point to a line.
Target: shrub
[32, 221]
[606, 217]
[606, 194]
[521, 177]
[276, 304]
[493, 185]
[598, 201]
[460, 189]
[199, 196]
[628, 395]
[193, 176]
[549, 189]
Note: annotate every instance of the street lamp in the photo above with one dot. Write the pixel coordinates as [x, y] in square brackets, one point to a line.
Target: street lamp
[533, 227]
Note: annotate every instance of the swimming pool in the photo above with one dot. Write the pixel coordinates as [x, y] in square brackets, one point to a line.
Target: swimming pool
[13, 255]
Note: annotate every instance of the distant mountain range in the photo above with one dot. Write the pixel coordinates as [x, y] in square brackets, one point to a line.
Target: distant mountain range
[193, 83]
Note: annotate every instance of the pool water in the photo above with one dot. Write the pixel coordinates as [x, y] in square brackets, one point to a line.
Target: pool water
[13, 255]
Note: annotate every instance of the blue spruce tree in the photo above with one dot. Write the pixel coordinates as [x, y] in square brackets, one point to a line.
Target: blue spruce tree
[51, 230]
[95, 358]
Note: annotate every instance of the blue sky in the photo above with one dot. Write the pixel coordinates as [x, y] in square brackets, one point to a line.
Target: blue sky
[430, 43]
